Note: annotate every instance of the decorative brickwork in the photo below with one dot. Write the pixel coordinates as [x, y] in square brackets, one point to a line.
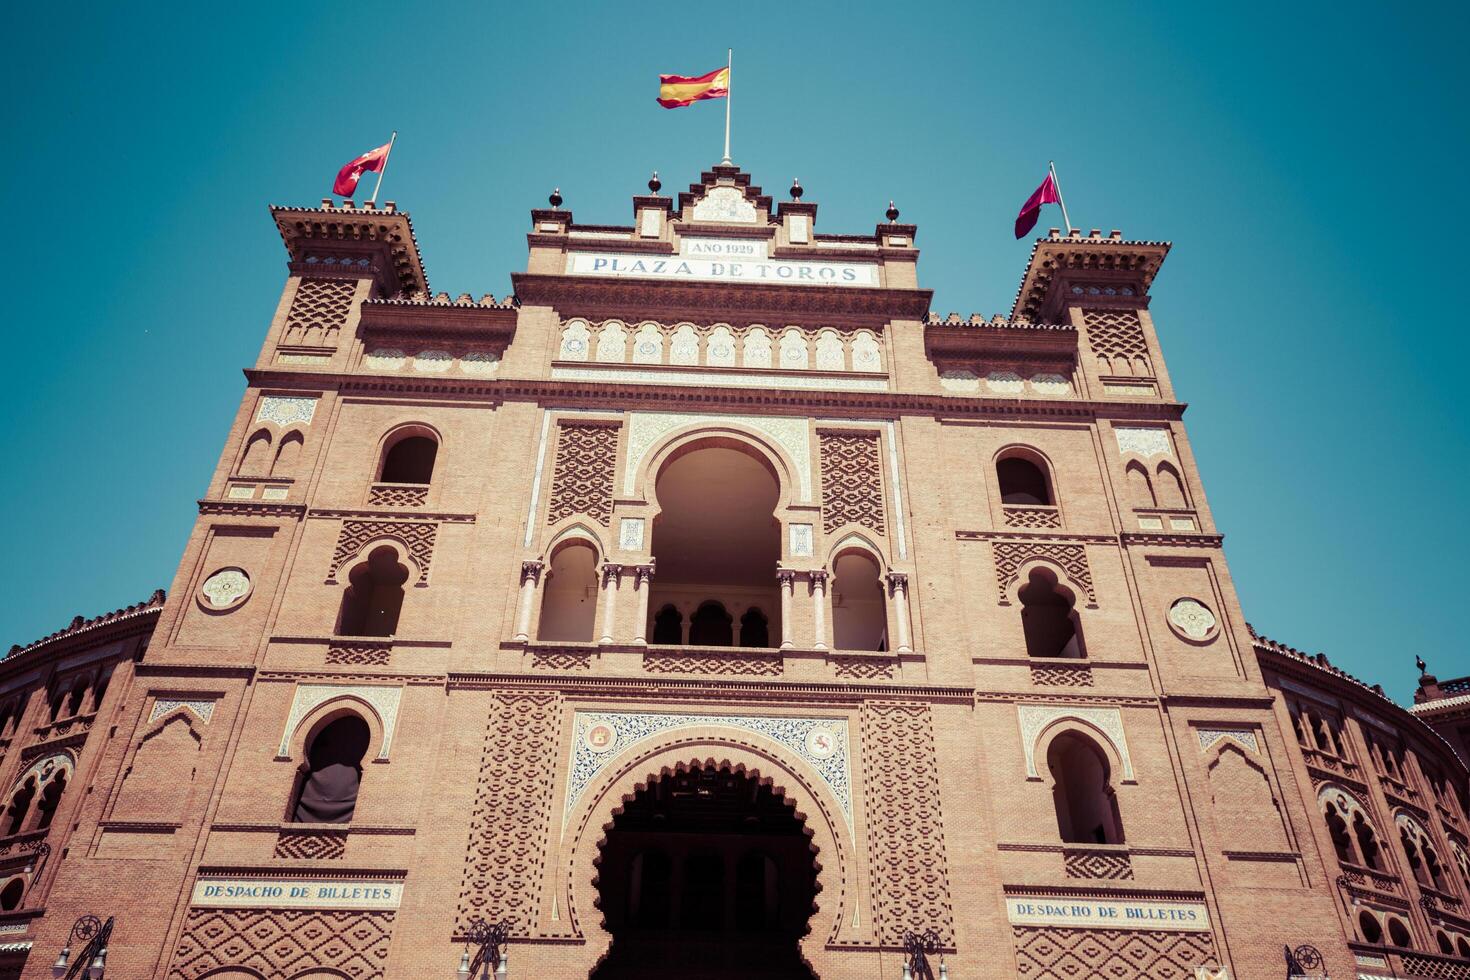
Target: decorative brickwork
[852, 481]
[1011, 555]
[1106, 866]
[1062, 675]
[906, 858]
[509, 825]
[1117, 339]
[864, 668]
[1433, 967]
[738, 664]
[282, 942]
[359, 653]
[417, 536]
[1032, 517]
[397, 495]
[319, 311]
[560, 660]
[319, 845]
[583, 480]
[1070, 954]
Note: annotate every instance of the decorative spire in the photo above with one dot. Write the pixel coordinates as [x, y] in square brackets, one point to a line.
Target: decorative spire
[796, 189]
[555, 198]
[892, 213]
[654, 184]
[1419, 662]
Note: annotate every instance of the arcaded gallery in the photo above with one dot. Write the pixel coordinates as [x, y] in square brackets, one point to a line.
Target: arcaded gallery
[710, 607]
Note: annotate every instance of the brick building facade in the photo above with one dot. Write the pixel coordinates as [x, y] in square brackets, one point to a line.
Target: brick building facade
[712, 608]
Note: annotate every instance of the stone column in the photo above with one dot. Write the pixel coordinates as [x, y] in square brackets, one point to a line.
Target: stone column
[818, 579]
[787, 578]
[898, 586]
[611, 577]
[642, 582]
[530, 575]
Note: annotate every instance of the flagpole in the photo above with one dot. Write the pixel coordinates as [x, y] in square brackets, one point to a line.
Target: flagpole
[392, 139]
[1051, 165]
[729, 88]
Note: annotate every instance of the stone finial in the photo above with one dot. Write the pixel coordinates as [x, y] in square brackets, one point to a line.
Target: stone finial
[555, 198]
[1419, 662]
[654, 184]
[796, 189]
[891, 213]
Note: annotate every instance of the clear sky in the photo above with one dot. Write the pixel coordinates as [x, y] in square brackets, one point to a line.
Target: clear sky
[1307, 162]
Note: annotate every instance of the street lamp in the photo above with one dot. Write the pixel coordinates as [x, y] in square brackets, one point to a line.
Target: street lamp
[918, 947]
[92, 961]
[490, 940]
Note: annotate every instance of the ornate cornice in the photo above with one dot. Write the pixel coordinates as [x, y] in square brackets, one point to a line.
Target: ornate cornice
[384, 514]
[383, 229]
[729, 690]
[1173, 540]
[250, 508]
[440, 317]
[129, 619]
[1038, 537]
[1053, 257]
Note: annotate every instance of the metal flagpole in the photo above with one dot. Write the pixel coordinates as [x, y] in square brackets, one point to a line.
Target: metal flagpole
[729, 87]
[1051, 164]
[384, 169]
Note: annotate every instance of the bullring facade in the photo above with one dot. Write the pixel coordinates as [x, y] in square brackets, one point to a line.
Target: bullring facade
[712, 608]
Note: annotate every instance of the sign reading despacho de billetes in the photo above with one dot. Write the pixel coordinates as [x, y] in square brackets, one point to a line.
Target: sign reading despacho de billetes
[692, 268]
[1100, 913]
[289, 893]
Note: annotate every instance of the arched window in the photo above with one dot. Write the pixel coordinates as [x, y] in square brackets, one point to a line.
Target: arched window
[287, 455]
[711, 626]
[569, 606]
[101, 690]
[1398, 933]
[332, 773]
[11, 894]
[77, 698]
[1462, 946]
[1171, 489]
[409, 460]
[1022, 482]
[374, 596]
[859, 609]
[1140, 487]
[1342, 841]
[1440, 936]
[1051, 626]
[1367, 841]
[1370, 928]
[755, 629]
[50, 799]
[257, 455]
[668, 626]
[1087, 811]
[1423, 860]
[20, 805]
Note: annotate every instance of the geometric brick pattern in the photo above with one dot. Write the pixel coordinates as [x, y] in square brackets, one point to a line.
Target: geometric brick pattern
[1117, 339]
[863, 668]
[906, 859]
[328, 845]
[852, 480]
[1424, 966]
[1115, 954]
[318, 311]
[1035, 518]
[387, 495]
[582, 482]
[1058, 676]
[359, 654]
[283, 942]
[511, 820]
[417, 537]
[1011, 555]
[740, 664]
[1100, 866]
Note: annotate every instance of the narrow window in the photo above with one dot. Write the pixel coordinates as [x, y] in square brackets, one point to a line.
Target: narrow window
[1021, 482]
[77, 699]
[332, 773]
[1369, 926]
[1367, 841]
[711, 626]
[1398, 933]
[1445, 946]
[668, 626]
[569, 606]
[20, 805]
[755, 630]
[50, 798]
[374, 596]
[1086, 808]
[410, 460]
[859, 608]
[1047, 618]
[1342, 841]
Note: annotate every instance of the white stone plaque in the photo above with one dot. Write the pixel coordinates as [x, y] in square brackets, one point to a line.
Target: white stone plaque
[284, 893]
[723, 248]
[786, 272]
[1096, 913]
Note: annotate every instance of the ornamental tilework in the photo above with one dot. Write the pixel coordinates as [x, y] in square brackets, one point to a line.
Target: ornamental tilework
[647, 428]
[1036, 718]
[383, 701]
[1244, 738]
[726, 204]
[1068, 954]
[628, 729]
[1145, 442]
[852, 481]
[204, 709]
[284, 410]
[582, 481]
[801, 540]
[283, 942]
[630, 534]
[906, 857]
[1192, 618]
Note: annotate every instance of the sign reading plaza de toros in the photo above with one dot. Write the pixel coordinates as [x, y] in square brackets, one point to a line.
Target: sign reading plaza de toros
[723, 260]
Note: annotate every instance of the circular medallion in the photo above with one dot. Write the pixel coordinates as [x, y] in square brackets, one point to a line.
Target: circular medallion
[1192, 618]
[225, 588]
[648, 347]
[821, 743]
[600, 737]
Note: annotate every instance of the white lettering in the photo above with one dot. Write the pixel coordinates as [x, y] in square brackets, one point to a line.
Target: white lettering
[701, 269]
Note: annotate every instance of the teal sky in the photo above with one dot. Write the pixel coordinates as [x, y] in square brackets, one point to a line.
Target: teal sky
[1306, 161]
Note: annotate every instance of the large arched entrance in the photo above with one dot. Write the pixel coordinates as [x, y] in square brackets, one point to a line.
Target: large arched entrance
[716, 542]
[706, 874]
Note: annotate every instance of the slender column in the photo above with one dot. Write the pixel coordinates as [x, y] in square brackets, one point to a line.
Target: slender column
[787, 578]
[611, 576]
[643, 583]
[530, 575]
[818, 579]
[898, 585]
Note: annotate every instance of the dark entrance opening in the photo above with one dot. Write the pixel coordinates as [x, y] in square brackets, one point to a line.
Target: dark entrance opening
[706, 875]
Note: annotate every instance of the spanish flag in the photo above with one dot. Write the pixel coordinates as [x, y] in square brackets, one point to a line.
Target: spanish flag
[677, 91]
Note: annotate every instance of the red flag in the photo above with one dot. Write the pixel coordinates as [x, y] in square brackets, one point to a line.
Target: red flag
[349, 175]
[1045, 194]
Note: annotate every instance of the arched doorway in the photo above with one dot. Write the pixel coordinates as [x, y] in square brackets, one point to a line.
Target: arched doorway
[717, 542]
[706, 874]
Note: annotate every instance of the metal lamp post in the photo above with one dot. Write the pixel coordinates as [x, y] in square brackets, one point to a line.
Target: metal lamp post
[91, 962]
[918, 947]
[490, 941]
